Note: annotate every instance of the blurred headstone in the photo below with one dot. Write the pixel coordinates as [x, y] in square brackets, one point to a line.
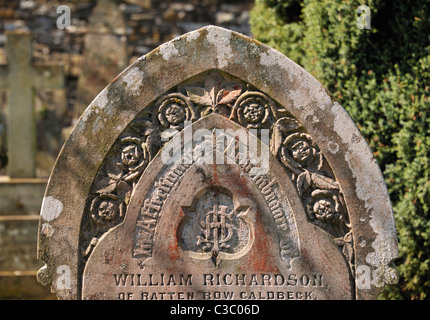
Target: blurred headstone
[105, 52]
[22, 77]
[20, 191]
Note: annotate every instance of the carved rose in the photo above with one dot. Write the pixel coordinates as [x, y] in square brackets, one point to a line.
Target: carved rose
[252, 110]
[325, 206]
[324, 210]
[106, 210]
[299, 152]
[174, 109]
[302, 151]
[131, 154]
[175, 113]
[133, 157]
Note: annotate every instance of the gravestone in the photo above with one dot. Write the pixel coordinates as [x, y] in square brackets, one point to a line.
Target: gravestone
[105, 52]
[20, 191]
[216, 168]
[21, 77]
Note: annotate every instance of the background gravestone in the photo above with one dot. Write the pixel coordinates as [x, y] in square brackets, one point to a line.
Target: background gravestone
[21, 190]
[105, 52]
[117, 220]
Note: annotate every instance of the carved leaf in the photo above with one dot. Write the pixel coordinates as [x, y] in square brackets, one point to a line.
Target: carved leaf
[109, 188]
[142, 127]
[348, 237]
[206, 111]
[282, 127]
[276, 141]
[114, 177]
[123, 188]
[303, 182]
[199, 96]
[213, 83]
[229, 95]
[323, 182]
[152, 144]
[287, 124]
[347, 248]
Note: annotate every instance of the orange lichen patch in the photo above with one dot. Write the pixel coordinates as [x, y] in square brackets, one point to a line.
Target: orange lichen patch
[242, 186]
[215, 180]
[174, 250]
[261, 258]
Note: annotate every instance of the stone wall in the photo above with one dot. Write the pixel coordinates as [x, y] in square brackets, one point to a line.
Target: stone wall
[148, 22]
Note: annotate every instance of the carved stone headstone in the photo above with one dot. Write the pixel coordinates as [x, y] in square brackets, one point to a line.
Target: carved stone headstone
[216, 168]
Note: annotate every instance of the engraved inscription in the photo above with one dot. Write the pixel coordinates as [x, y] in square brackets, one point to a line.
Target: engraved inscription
[280, 210]
[218, 226]
[151, 209]
[225, 286]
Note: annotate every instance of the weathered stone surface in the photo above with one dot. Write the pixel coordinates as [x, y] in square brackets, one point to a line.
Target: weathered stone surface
[312, 220]
[3, 142]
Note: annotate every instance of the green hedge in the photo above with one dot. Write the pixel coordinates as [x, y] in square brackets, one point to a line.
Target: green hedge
[381, 76]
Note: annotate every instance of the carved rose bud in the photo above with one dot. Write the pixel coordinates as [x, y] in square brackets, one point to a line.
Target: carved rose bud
[252, 110]
[174, 109]
[106, 210]
[324, 206]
